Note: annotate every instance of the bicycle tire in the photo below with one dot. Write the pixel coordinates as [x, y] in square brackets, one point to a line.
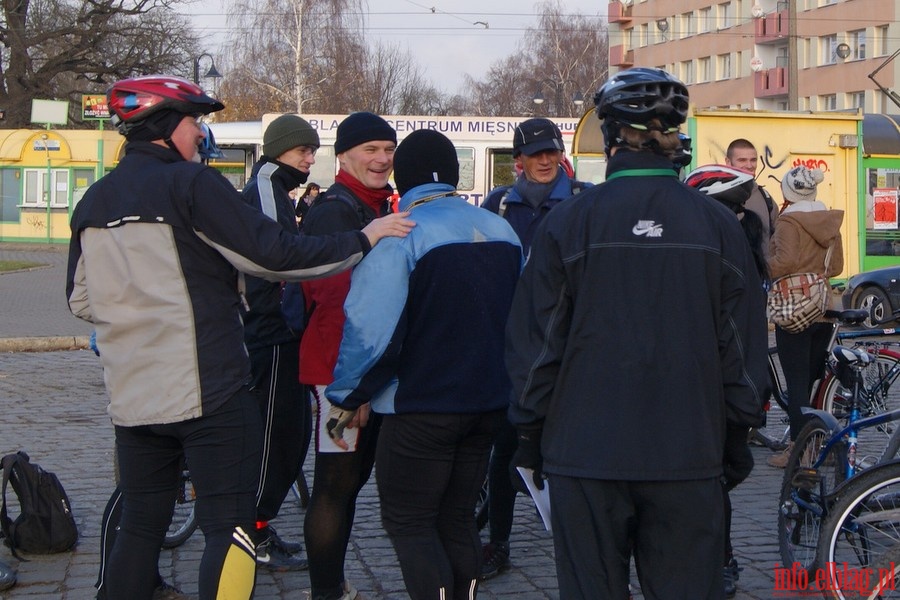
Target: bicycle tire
[184, 516]
[863, 528]
[805, 492]
[300, 488]
[881, 394]
[888, 576]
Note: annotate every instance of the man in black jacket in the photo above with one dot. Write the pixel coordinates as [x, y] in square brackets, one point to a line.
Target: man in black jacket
[156, 248]
[637, 331]
[272, 329]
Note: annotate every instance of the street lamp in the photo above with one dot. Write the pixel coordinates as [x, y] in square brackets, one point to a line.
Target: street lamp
[212, 72]
[558, 88]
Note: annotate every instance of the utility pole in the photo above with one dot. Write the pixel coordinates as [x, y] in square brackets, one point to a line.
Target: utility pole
[793, 58]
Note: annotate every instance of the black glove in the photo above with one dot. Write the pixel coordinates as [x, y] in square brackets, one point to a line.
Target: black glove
[528, 456]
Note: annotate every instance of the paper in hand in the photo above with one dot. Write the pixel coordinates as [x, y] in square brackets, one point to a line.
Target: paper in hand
[541, 497]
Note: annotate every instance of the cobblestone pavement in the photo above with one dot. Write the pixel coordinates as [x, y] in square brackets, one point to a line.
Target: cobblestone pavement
[54, 408]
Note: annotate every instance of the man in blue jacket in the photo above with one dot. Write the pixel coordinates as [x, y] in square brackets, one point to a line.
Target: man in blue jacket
[423, 340]
[538, 150]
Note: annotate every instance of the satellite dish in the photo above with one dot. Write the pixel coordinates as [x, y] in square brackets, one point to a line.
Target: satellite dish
[757, 11]
[756, 64]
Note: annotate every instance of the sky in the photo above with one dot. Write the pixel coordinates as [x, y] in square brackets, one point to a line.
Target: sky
[444, 36]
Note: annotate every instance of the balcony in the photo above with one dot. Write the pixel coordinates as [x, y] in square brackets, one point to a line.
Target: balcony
[770, 83]
[618, 12]
[772, 27]
[620, 57]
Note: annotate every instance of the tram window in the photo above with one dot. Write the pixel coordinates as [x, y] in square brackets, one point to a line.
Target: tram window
[503, 168]
[466, 157]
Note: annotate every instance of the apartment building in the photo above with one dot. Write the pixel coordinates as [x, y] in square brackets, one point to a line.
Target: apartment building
[751, 54]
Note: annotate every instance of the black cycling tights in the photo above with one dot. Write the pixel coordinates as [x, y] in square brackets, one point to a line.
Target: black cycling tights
[222, 452]
[339, 476]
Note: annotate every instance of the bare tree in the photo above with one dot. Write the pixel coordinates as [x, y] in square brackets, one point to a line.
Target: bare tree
[59, 49]
[292, 55]
[563, 55]
[568, 56]
[504, 91]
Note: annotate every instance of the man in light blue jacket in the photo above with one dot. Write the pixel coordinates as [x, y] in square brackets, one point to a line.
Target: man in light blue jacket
[424, 340]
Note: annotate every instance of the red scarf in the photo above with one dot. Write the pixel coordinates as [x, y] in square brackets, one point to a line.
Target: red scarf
[374, 199]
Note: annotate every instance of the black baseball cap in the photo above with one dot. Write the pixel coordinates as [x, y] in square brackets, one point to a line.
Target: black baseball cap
[538, 134]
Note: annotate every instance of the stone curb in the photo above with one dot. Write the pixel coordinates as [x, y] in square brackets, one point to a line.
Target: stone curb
[44, 344]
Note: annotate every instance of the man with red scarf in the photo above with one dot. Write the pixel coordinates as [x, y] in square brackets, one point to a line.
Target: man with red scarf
[344, 456]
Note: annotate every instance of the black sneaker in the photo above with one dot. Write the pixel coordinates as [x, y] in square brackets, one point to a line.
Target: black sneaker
[289, 547]
[169, 592]
[731, 573]
[272, 556]
[496, 559]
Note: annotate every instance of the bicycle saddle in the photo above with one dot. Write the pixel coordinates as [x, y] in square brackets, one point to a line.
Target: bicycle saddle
[852, 316]
[851, 356]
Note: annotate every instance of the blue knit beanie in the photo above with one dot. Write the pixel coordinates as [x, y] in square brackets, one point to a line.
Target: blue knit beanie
[362, 127]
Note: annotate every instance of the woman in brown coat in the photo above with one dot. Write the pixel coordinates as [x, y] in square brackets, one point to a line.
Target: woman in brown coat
[807, 239]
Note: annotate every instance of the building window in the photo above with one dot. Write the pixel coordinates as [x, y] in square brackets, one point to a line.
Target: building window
[687, 25]
[858, 44]
[828, 49]
[881, 39]
[703, 74]
[828, 102]
[703, 21]
[856, 100]
[37, 187]
[724, 66]
[725, 15]
[687, 72]
[645, 34]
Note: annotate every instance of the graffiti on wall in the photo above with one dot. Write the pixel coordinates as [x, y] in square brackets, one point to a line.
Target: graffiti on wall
[35, 222]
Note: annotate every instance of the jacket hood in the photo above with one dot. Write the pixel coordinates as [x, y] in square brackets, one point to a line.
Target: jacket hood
[821, 225]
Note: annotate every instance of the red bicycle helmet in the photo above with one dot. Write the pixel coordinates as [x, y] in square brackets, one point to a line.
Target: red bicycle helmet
[133, 100]
[726, 184]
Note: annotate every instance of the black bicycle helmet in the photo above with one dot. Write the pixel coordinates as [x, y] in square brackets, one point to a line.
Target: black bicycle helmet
[637, 96]
[728, 185]
[132, 101]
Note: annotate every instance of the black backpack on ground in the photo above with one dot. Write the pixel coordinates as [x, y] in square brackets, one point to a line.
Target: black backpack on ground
[45, 524]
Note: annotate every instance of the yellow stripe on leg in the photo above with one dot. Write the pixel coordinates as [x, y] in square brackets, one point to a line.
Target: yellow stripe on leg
[238, 576]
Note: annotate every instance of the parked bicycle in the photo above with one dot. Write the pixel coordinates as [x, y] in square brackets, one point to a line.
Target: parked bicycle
[859, 544]
[828, 393]
[854, 432]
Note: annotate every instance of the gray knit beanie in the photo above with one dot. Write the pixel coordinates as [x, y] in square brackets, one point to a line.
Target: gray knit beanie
[362, 127]
[286, 132]
[801, 184]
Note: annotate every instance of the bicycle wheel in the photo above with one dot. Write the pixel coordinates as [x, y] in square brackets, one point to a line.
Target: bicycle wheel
[879, 395]
[886, 576]
[805, 492]
[184, 519]
[863, 529]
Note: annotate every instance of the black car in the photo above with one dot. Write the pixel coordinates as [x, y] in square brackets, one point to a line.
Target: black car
[880, 287]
